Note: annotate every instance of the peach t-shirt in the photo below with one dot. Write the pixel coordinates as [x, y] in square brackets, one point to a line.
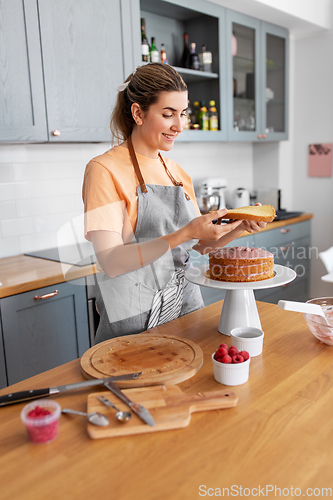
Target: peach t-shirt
[110, 189]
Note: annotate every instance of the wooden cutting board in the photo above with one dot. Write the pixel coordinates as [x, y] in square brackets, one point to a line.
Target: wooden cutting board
[161, 359]
[170, 407]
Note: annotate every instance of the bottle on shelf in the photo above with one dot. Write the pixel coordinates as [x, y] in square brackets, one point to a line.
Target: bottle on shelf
[144, 42]
[203, 118]
[185, 60]
[213, 116]
[205, 59]
[154, 54]
[194, 115]
[194, 59]
[164, 59]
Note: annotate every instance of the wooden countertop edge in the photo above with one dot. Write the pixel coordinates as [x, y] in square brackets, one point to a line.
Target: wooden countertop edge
[23, 273]
[32, 273]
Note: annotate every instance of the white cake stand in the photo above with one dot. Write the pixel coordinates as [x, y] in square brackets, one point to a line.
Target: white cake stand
[239, 305]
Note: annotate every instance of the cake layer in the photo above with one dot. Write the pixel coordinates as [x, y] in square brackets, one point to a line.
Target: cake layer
[242, 279]
[243, 270]
[240, 264]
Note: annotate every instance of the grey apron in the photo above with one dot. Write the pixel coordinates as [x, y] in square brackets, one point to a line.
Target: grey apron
[130, 303]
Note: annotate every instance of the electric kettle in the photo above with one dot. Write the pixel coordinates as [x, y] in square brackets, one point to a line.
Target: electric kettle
[240, 198]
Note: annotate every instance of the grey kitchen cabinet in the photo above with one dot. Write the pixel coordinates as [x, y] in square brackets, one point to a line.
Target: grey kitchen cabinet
[22, 103]
[45, 332]
[258, 76]
[83, 65]
[167, 21]
[3, 376]
[250, 88]
[78, 51]
[291, 248]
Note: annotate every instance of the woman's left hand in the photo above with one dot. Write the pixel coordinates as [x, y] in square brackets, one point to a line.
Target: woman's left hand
[252, 226]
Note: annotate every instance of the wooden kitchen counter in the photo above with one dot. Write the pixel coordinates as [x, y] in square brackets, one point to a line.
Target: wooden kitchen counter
[22, 273]
[279, 436]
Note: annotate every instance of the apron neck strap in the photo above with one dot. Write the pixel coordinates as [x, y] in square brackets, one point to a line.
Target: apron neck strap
[136, 165]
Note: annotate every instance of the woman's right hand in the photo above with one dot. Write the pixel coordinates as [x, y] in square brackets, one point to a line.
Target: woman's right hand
[202, 227]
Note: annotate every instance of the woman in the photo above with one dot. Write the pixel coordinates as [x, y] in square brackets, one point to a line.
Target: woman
[141, 213]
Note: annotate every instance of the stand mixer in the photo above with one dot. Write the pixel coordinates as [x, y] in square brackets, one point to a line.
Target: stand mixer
[211, 195]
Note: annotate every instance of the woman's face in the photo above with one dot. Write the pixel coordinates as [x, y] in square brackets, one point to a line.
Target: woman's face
[160, 125]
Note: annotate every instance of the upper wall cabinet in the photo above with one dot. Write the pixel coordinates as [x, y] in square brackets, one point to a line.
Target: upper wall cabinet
[257, 68]
[22, 104]
[83, 65]
[73, 47]
[62, 60]
[249, 79]
[204, 22]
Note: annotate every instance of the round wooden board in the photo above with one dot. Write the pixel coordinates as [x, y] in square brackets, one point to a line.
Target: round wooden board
[161, 359]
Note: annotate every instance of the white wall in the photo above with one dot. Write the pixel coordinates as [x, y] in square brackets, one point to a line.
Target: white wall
[40, 185]
[302, 17]
[40, 190]
[314, 124]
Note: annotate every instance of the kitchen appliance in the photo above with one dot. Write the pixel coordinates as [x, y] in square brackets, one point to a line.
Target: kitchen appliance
[81, 254]
[240, 198]
[169, 406]
[272, 196]
[211, 194]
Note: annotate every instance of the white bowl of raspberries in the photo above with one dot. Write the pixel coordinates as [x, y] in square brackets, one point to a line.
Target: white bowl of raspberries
[231, 366]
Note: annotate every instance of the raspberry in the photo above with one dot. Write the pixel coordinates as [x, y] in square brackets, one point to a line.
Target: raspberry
[245, 355]
[224, 346]
[226, 359]
[237, 358]
[233, 350]
[222, 351]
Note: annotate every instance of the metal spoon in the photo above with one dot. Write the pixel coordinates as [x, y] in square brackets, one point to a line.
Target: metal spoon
[123, 416]
[95, 417]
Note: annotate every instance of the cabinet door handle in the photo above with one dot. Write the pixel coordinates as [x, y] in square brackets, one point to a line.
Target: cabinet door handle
[56, 133]
[259, 136]
[47, 296]
[264, 136]
[284, 231]
[283, 249]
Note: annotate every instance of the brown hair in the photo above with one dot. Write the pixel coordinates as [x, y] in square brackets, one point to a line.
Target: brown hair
[145, 85]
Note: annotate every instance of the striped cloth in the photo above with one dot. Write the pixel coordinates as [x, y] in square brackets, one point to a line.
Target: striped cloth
[167, 303]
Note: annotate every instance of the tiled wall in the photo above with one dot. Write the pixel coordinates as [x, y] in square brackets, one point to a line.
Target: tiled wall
[40, 185]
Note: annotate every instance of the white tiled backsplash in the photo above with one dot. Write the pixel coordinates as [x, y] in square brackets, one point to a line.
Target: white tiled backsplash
[40, 184]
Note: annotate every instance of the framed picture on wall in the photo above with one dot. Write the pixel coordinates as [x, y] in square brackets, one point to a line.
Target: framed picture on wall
[320, 160]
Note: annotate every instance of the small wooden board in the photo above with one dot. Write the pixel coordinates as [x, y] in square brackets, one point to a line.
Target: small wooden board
[170, 407]
[161, 359]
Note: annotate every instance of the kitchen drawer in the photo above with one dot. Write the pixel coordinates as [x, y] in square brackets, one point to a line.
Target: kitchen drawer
[40, 334]
[294, 255]
[283, 235]
[297, 290]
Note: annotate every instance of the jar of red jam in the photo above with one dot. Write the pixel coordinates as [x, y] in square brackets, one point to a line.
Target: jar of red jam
[41, 419]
